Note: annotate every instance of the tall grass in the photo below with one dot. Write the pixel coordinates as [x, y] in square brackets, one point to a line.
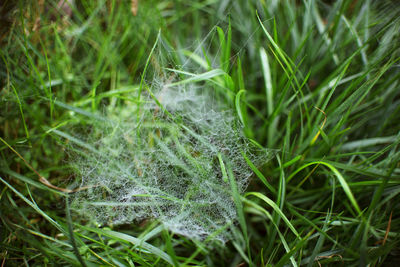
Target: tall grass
[314, 81]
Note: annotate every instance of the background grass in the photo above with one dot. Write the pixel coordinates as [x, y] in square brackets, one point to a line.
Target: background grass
[315, 80]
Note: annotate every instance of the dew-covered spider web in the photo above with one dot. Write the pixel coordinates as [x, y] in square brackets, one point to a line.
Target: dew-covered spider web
[166, 157]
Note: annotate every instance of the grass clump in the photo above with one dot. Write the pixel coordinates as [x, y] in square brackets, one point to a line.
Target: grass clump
[171, 155]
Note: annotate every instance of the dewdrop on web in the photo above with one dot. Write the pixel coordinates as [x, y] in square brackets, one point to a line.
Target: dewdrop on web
[161, 160]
